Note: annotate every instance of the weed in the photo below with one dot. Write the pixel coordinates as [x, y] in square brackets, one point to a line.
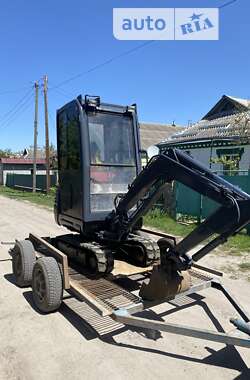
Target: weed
[244, 267]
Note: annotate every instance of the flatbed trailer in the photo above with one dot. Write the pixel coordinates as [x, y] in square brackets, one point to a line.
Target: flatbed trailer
[116, 295]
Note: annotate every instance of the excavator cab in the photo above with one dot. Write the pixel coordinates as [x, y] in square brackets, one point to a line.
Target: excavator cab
[98, 157]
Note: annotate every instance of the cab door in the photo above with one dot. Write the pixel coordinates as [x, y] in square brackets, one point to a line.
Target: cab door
[69, 161]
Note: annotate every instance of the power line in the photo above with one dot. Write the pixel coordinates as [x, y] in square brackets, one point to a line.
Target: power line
[107, 62]
[14, 91]
[18, 111]
[114, 58]
[15, 106]
[19, 108]
[60, 91]
[102, 64]
[15, 117]
[227, 4]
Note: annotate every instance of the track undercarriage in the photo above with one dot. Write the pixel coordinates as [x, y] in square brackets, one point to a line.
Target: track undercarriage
[98, 257]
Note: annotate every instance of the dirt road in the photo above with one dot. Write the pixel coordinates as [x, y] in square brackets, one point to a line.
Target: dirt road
[63, 345]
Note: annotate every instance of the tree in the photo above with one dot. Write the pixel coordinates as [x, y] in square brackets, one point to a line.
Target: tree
[53, 157]
[5, 153]
[230, 165]
[238, 128]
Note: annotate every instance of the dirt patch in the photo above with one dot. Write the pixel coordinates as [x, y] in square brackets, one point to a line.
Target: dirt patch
[235, 266]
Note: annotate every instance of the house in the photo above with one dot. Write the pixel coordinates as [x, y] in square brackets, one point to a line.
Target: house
[152, 133]
[221, 137]
[11, 166]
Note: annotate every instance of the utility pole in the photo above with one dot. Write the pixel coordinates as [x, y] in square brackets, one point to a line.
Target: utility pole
[45, 91]
[35, 137]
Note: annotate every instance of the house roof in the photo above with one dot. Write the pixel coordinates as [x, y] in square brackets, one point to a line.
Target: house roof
[227, 105]
[21, 161]
[224, 120]
[243, 102]
[152, 134]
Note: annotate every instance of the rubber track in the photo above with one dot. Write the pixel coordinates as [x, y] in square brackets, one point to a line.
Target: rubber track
[104, 256]
[151, 247]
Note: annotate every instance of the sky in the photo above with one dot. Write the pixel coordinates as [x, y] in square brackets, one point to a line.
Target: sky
[169, 80]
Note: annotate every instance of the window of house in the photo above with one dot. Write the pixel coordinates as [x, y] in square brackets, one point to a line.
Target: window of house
[230, 159]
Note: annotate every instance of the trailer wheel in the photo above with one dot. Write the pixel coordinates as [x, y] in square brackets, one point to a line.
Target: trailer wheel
[23, 261]
[47, 285]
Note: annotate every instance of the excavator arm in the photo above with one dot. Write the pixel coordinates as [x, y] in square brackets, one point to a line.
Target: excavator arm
[231, 216]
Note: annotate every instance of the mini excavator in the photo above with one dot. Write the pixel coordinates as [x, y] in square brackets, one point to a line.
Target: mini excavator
[103, 195]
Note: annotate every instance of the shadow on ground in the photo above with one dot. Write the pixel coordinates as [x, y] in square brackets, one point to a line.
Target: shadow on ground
[91, 326]
[227, 357]
[11, 278]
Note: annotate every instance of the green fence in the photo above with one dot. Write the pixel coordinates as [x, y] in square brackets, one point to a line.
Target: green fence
[191, 203]
[26, 180]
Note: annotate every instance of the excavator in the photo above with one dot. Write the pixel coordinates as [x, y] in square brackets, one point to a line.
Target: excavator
[102, 196]
[103, 193]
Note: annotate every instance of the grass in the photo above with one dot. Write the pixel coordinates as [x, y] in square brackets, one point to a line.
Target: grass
[37, 198]
[160, 221]
[238, 244]
[156, 219]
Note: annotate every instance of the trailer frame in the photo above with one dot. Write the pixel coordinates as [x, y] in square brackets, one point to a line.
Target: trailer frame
[91, 289]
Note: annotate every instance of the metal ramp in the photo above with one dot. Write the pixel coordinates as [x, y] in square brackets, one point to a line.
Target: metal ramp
[103, 295]
[106, 296]
[98, 299]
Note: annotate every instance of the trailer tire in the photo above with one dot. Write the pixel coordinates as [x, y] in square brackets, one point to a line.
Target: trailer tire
[47, 285]
[23, 261]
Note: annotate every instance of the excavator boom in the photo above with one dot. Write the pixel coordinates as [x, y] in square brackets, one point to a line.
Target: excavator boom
[230, 217]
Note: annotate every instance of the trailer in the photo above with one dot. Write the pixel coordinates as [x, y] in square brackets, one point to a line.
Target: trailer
[102, 196]
[116, 294]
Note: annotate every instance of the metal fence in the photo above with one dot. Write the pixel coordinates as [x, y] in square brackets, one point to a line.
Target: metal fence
[25, 181]
[192, 204]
